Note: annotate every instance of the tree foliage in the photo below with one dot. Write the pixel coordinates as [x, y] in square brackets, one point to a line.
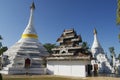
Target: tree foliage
[3, 49]
[49, 47]
[85, 45]
[86, 48]
[0, 37]
[119, 56]
[119, 37]
[111, 49]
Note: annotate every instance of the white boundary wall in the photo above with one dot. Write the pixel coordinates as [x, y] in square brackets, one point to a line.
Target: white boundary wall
[23, 71]
[67, 68]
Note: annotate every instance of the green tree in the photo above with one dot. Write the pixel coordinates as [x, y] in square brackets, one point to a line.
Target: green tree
[0, 37]
[119, 56]
[86, 48]
[111, 49]
[2, 50]
[119, 37]
[85, 45]
[0, 42]
[49, 47]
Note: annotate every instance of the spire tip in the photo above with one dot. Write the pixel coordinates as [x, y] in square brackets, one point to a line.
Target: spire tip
[95, 31]
[32, 6]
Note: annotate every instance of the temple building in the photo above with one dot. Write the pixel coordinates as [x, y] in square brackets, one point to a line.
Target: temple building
[27, 55]
[100, 60]
[69, 58]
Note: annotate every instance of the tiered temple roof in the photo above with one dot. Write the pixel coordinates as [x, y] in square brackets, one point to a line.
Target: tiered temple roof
[69, 47]
[69, 38]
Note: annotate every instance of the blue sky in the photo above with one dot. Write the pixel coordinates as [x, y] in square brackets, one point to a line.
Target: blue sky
[51, 17]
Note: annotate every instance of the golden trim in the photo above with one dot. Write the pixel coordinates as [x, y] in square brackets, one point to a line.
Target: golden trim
[29, 36]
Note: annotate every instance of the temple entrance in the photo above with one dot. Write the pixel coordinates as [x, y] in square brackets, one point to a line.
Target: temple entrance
[27, 63]
[95, 69]
[88, 69]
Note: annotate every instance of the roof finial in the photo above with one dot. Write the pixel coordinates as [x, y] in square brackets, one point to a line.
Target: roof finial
[95, 31]
[32, 6]
[29, 31]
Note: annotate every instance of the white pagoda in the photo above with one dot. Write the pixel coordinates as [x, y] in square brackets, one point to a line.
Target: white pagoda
[27, 55]
[100, 61]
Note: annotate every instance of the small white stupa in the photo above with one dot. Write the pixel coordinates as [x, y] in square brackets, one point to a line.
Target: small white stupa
[100, 62]
[96, 47]
[27, 55]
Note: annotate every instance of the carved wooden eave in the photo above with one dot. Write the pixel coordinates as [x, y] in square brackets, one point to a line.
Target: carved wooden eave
[60, 40]
[88, 58]
[69, 31]
[65, 54]
[69, 48]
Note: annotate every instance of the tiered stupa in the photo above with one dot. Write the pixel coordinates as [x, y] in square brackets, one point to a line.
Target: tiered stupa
[100, 62]
[26, 55]
[96, 47]
[69, 58]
